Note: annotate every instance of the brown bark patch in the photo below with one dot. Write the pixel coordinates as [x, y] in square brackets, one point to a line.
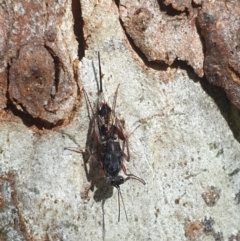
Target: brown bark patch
[161, 37]
[219, 23]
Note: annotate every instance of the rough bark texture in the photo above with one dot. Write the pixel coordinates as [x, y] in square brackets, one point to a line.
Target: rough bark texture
[219, 22]
[3, 61]
[186, 147]
[37, 82]
[162, 37]
[181, 5]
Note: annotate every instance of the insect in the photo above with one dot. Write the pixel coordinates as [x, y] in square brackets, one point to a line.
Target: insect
[109, 132]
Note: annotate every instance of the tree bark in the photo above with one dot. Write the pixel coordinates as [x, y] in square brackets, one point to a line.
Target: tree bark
[186, 147]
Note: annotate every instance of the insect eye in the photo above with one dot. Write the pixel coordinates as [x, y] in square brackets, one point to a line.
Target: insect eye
[110, 181]
[120, 180]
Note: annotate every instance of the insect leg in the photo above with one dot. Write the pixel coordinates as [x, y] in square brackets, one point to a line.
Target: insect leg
[126, 156]
[88, 101]
[100, 73]
[122, 136]
[125, 139]
[82, 150]
[115, 100]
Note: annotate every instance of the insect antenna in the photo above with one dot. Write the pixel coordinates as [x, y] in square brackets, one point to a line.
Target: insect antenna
[120, 195]
[131, 176]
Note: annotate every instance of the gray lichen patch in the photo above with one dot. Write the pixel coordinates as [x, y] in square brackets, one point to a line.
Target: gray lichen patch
[11, 223]
[211, 195]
